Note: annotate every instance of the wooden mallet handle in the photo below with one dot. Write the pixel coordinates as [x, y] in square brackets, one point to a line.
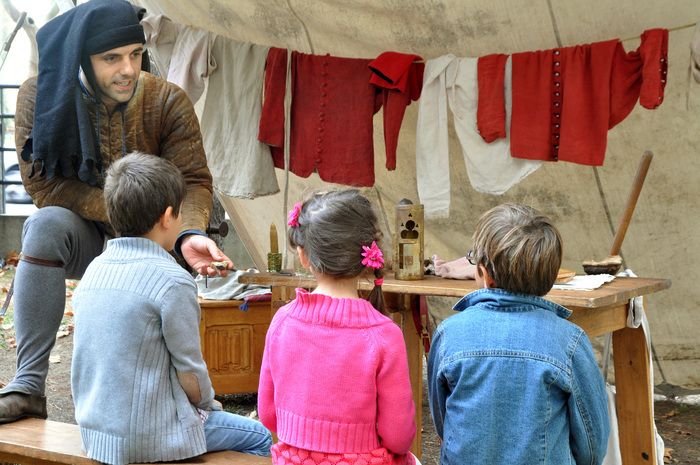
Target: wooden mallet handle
[632, 201]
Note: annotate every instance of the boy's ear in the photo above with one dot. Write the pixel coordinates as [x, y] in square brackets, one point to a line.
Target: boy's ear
[484, 273]
[303, 258]
[166, 219]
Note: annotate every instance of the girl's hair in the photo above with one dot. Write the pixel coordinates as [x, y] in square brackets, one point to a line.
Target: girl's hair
[332, 228]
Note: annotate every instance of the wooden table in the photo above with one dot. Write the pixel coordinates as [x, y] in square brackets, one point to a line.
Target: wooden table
[597, 312]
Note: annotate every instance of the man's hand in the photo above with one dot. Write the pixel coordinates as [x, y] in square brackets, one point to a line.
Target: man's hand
[200, 251]
[455, 269]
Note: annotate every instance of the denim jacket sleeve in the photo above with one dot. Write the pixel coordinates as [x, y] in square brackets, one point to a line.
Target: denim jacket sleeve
[588, 406]
[438, 388]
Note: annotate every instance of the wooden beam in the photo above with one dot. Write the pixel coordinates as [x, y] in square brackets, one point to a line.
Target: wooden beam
[633, 399]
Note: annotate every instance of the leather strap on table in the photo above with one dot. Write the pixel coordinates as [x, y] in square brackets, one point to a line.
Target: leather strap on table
[421, 320]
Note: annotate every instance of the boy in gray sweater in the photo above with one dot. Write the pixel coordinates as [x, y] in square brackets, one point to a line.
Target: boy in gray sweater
[141, 388]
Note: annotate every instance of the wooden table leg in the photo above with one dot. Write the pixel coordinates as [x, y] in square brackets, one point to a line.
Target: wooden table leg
[634, 399]
[414, 350]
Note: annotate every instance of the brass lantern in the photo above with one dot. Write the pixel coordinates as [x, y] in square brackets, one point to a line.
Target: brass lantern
[408, 241]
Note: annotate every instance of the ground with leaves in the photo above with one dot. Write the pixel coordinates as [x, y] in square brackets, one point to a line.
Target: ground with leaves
[678, 424]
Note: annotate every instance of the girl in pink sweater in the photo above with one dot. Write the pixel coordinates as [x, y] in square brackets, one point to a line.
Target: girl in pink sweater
[334, 381]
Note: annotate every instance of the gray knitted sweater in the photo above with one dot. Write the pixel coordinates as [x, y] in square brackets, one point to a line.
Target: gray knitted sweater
[136, 330]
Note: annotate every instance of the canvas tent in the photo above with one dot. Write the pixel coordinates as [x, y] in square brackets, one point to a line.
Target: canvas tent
[585, 202]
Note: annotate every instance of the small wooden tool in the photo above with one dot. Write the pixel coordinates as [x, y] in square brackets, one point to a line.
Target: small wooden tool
[612, 263]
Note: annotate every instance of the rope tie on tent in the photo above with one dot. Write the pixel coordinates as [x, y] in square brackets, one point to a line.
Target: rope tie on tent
[287, 149]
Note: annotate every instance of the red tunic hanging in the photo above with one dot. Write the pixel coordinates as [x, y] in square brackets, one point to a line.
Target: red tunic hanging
[333, 102]
[566, 99]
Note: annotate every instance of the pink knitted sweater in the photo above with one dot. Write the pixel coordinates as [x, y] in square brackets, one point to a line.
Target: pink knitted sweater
[334, 379]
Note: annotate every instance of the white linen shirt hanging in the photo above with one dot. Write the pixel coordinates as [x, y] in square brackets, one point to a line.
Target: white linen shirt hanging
[240, 164]
[181, 53]
[490, 167]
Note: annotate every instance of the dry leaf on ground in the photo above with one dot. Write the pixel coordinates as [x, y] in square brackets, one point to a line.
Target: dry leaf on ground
[62, 334]
[12, 258]
[668, 453]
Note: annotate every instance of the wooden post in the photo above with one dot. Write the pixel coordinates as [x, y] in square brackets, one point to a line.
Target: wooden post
[414, 351]
[634, 402]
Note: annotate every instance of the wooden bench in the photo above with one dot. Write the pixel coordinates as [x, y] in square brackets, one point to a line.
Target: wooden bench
[40, 442]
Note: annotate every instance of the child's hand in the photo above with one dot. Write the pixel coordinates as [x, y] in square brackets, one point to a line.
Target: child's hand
[455, 269]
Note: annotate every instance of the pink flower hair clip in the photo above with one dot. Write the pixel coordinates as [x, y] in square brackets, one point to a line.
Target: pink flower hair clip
[293, 215]
[373, 256]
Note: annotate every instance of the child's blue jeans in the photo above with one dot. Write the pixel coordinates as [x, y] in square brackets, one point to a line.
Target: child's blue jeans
[228, 431]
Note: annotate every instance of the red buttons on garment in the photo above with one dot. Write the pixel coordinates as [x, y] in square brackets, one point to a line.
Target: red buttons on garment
[323, 94]
[557, 102]
[663, 69]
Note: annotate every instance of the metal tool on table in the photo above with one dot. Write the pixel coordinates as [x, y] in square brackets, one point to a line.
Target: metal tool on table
[222, 231]
[8, 43]
[612, 263]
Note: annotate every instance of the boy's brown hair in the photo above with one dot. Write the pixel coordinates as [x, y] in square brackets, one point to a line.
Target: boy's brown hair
[137, 191]
[520, 248]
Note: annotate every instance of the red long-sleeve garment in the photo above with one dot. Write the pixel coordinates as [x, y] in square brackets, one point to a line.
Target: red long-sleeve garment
[333, 102]
[566, 99]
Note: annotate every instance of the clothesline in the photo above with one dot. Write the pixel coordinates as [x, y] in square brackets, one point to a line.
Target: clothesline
[671, 29]
[505, 148]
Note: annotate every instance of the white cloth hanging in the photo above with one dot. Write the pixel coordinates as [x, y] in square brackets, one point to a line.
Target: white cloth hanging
[491, 169]
[240, 164]
[181, 53]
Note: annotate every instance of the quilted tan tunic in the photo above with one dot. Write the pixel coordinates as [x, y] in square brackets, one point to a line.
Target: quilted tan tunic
[159, 119]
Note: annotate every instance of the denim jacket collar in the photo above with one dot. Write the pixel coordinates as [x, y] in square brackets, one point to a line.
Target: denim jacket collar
[504, 301]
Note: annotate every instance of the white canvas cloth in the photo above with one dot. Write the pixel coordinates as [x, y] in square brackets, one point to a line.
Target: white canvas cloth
[452, 81]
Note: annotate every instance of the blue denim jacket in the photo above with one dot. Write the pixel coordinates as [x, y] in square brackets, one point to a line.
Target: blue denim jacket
[511, 381]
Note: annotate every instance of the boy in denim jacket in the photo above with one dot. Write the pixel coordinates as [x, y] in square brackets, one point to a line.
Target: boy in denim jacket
[511, 381]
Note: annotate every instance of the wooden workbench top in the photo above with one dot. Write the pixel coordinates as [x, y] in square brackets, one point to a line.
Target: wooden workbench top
[615, 292]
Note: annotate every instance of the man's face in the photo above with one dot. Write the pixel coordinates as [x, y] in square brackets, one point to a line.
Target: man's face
[116, 72]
